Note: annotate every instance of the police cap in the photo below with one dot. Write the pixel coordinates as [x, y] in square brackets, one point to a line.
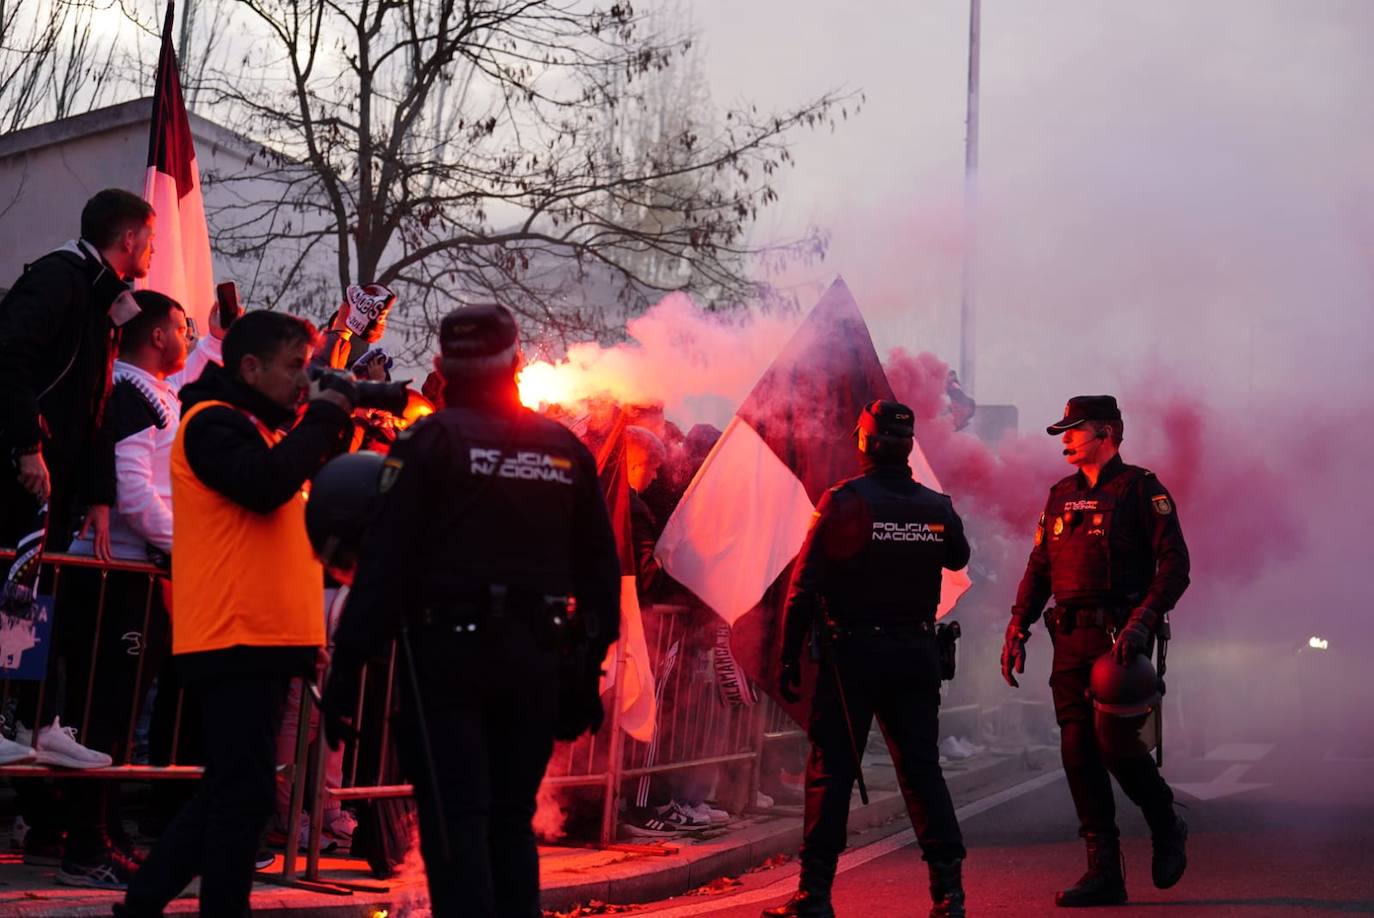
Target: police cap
[1082, 408]
[882, 418]
[479, 338]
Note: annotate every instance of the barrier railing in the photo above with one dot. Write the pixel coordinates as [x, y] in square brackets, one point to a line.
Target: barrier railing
[696, 728]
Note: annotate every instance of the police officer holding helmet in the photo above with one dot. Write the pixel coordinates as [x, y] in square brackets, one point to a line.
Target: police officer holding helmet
[491, 555]
[867, 584]
[1109, 548]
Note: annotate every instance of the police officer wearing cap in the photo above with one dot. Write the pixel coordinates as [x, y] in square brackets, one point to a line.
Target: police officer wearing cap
[1109, 549]
[867, 586]
[492, 557]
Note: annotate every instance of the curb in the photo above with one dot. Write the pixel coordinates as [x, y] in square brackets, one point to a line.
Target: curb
[692, 867]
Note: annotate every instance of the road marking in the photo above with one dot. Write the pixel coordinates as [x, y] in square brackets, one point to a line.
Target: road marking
[786, 883]
[1226, 784]
[1239, 752]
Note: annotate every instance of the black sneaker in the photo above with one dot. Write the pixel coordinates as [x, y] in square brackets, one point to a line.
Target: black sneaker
[110, 870]
[648, 825]
[264, 860]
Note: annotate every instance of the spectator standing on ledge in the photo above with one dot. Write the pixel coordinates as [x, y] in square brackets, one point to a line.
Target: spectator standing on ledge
[247, 611]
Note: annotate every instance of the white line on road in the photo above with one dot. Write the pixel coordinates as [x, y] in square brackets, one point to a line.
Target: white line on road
[856, 858]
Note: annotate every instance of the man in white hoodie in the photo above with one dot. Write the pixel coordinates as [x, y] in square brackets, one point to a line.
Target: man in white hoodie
[141, 418]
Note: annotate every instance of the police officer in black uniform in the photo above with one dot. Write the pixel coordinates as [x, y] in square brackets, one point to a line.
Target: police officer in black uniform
[492, 556]
[1108, 547]
[867, 585]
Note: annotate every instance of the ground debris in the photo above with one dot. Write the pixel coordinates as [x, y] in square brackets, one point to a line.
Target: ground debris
[594, 907]
[772, 863]
[718, 885]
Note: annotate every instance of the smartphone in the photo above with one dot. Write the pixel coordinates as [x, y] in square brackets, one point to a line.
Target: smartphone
[227, 295]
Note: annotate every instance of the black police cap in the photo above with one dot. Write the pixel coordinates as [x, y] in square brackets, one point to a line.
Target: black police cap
[1083, 408]
[482, 335]
[882, 418]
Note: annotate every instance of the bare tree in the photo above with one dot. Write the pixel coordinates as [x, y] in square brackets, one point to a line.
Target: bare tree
[53, 60]
[463, 149]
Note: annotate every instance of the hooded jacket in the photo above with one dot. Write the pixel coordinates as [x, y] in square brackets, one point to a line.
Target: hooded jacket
[58, 340]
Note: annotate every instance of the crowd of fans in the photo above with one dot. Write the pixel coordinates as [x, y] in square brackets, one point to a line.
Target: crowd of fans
[110, 403]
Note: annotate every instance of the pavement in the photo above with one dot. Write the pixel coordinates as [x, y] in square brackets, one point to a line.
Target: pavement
[1278, 826]
[573, 877]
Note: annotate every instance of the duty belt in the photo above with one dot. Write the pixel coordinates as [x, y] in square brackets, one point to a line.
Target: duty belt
[898, 629]
[489, 607]
[1064, 619]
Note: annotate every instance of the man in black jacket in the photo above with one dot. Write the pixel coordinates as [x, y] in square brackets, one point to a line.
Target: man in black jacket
[491, 541]
[867, 584]
[58, 337]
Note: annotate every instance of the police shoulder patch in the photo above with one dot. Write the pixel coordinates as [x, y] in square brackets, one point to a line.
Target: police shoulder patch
[1163, 506]
[391, 470]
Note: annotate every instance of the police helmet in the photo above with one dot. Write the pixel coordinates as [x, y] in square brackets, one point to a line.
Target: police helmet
[343, 497]
[479, 340]
[1124, 690]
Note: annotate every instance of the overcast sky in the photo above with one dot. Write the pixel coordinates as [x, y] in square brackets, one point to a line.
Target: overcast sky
[1186, 182]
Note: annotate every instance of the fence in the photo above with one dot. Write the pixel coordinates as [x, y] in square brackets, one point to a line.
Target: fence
[696, 731]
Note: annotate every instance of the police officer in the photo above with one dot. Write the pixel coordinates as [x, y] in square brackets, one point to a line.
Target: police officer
[1108, 547]
[867, 583]
[491, 541]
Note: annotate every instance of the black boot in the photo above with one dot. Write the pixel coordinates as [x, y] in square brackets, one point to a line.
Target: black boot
[812, 899]
[947, 889]
[1105, 881]
[1170, 854]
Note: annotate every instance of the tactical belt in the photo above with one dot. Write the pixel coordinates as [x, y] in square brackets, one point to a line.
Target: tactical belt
[897, 629]
[1064, 619]
[489, 607]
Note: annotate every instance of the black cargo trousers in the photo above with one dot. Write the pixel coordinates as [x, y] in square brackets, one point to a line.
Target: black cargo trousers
[1095, 746]
[895, 676]
[489, 699]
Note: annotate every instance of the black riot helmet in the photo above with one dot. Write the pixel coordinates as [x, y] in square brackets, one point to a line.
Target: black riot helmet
[886, 430]
[343, 496]
[1124, 690]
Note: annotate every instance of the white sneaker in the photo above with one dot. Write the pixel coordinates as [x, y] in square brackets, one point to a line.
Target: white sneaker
[12, 753]
[57, 745]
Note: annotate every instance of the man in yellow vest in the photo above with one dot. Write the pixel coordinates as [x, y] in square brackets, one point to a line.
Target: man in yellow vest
[247, 607]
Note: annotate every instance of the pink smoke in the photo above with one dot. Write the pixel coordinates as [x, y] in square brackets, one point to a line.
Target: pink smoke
[1234, 495]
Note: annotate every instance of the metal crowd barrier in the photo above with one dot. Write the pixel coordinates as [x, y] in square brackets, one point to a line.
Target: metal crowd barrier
[695, 728]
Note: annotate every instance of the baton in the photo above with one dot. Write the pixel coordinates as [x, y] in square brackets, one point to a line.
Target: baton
[844, 710]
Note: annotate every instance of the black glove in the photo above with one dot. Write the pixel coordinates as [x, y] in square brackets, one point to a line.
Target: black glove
[1014, 652]
[1134, 638]
[789, 681]
[339, 702]
[579, 692]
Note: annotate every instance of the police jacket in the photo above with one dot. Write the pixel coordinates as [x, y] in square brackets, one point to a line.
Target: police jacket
[1116, 545]
[57, 344]
[875, 555]
[483, 494]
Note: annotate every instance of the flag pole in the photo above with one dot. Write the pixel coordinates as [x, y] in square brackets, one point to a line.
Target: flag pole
[968, 302]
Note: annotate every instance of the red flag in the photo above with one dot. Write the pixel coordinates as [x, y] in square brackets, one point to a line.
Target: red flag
[181, 265]
[627, 660]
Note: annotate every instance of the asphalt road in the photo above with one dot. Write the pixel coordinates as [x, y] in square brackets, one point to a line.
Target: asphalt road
[1277, 829]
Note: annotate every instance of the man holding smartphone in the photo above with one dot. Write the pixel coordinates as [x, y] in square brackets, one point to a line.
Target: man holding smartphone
[247, 609]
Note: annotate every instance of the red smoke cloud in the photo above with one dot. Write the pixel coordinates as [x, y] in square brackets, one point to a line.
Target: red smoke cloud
[1235, 493]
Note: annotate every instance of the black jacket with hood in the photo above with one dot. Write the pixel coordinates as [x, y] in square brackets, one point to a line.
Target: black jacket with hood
[57, 344]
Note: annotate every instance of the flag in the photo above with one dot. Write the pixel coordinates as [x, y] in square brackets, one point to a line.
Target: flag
[627, 664]
[746, 513]
[181, 265]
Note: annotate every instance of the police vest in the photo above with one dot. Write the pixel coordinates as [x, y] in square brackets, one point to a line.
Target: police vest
[239, 578]
[1078, 529]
